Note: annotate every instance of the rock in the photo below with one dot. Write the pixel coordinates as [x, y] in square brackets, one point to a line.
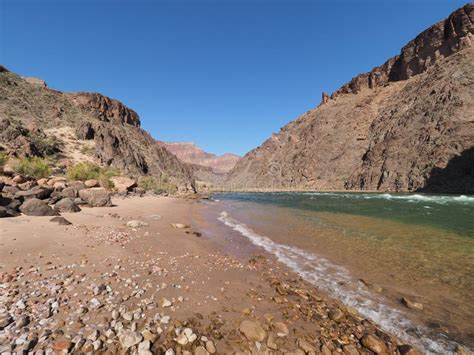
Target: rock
[77, 185]
[10, 191]
[5, 320]
[408, 350]
[252, 330]
[281, 329]
[166, 303]
[305, 346]
[62, 345]
[66, 205]
[123, 184]
[60, 220]
[96, 197]
[210, 347]
[374, 343]
[7, 212]
[411, 304]
[136, 224]
[39, 192]
[462, 350]
[336, 315]
[128, 339]
[22, 321]
[91, 183]
[70, 192]
[200, 350]
[179, 225]
[36, 207]
[271, 341]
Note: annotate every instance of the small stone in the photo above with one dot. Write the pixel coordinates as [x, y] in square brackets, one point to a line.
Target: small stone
[22, 321]
[271, 342]
[62, 345]
[336, 315]
[252, 330]
[374, 343]
[144, 345]
[281, 329]
[5, 320]
[409, 350]
[411, 304]
[60, 220]
[179, 225]
[136, 224]
[200, 350]
[128, 339]
[210, 347]
[169, 352]
[305, 346]
[166, 303]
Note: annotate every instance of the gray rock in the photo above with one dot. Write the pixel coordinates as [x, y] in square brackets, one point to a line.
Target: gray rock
[40, 192]
[128, 339]
[66, 205]
[36, 207]
[60, 220]
[96, 197]
[70, 192]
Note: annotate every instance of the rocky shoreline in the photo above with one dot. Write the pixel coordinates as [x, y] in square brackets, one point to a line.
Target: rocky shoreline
[137, 279]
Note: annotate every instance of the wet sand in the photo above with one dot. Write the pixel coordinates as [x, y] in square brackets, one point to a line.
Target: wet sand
[101, 286]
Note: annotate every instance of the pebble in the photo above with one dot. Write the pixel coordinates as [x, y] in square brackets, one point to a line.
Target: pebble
[374, 343]
[129, 338]
[252, 330]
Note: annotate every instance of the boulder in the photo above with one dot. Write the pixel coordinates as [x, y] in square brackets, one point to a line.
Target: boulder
[66, 205]
[123, 184]
[96, 197]
[9, 190]
[39, 192]
[78, 185]
[70, 192]
[91, 183]
[7, 212]
[27, 185]
[36, 207]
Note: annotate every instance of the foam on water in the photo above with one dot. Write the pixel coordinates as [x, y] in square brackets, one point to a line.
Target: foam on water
[409, 197]
[337, 281]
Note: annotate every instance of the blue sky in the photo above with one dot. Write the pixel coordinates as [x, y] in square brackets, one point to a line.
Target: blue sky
[223, 74]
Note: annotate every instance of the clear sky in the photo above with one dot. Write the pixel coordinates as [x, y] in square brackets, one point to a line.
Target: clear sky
[224, 74]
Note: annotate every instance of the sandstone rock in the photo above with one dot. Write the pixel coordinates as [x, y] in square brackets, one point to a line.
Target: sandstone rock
[252, 330]
[66, 205]
[210, 347]
[62, 345]
[200, 350]
[96, 197]
[281, 329]
[123, 184]
[374, 343]
[336, 315]
[91, 183]
[179, 225]
[36, 207]
[78, 185]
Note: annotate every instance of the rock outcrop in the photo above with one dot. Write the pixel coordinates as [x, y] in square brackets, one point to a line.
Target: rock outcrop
[29, 112]
[407, 125]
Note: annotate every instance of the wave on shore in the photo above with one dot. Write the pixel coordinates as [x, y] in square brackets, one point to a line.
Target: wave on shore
[338, 282]
[405, 197]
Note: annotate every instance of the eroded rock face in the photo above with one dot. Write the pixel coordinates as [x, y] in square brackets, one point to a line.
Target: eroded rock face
[28, 110]
[409, 128]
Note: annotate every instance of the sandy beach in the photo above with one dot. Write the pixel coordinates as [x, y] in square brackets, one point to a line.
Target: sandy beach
[100, 285]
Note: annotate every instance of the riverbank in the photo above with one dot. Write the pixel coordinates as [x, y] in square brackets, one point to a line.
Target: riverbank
[102, 285]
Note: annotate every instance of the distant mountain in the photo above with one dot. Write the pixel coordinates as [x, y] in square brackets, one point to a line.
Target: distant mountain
[406, 125]
[190, 153]
[36, 120]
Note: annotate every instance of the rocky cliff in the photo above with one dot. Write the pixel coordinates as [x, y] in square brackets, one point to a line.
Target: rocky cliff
[35, 117]
[406, 125]
[191, 153]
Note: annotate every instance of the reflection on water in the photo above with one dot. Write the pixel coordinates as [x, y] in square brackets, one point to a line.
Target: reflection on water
[416, 246]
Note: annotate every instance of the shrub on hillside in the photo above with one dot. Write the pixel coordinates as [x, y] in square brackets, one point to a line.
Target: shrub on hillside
[158, 186]
[88, 171]
[35, 167]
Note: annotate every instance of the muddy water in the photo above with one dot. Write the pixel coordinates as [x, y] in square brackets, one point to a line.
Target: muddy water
[369, 250]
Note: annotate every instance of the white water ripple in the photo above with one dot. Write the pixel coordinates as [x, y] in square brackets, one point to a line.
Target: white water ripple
[338, 282]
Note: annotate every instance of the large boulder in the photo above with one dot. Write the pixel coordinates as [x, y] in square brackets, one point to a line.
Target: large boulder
[36, 207]
[91, 183]
[7, 212]
[96, 197]
[9, 190]
[123, 184]
[66, 205]
[70, 192]
[40, 192]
